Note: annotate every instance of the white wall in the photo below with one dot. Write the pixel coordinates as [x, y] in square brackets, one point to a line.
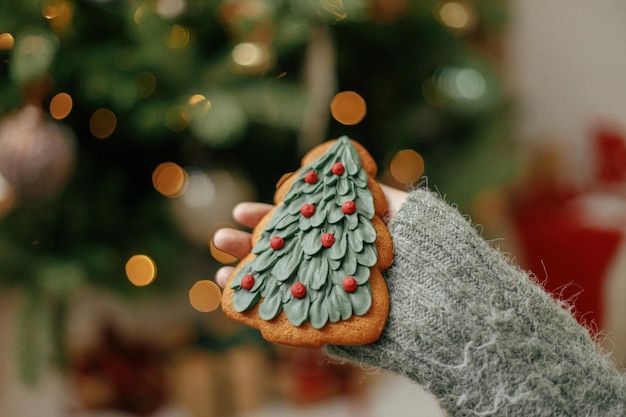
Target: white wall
[568, 68]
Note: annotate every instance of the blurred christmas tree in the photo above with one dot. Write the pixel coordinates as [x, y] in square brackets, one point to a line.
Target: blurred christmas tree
[102, 101]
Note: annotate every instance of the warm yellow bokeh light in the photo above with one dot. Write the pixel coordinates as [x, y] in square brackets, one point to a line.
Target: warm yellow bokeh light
[199, 99]
[170, 179]
[456, 14]
[58, 12]
[407, 166]
[221, 256]
[250, 55]
[178, 38]
[141, 270]
[61, 106]
[348, 108]
[205, 296]
[102, 123]
[138, 15]
[6, 41]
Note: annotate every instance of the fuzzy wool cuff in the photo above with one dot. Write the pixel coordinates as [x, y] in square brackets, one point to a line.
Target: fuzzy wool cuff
[479, 333]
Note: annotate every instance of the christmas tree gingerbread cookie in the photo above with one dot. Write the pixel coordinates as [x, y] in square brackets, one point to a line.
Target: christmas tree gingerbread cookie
[314, 276]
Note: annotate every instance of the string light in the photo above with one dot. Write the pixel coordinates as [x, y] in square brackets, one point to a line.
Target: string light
[102, 123]
[170, 179]
[141, 270]
[61, 106]
[6, 41]
[205, 296]
[348, 108]
[407, 166]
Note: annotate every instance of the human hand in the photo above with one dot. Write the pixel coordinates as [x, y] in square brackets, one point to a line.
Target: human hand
[239, 243]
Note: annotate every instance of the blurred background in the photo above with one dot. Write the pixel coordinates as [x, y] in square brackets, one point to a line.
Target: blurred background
[129, 129]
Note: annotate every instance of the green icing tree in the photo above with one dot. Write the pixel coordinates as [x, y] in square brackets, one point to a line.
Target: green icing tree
[314, 256]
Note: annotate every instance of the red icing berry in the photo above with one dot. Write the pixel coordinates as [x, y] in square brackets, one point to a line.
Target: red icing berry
[307, 210]
[337, 168]
[247, 282]
[327, 240]
[349, 207]
[298, 290]
[349, 284]
[310, 177]
[277, 242]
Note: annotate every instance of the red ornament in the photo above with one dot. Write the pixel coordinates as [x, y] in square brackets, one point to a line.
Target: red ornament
[298, 290]
[277, 242]
[328, 239]
[307, 210]
[349, 207]
[337, 168]
[349, 284]
[247, 282]
[310, 177]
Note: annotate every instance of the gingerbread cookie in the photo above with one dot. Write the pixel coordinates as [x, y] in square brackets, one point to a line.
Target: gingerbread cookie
[314, 275]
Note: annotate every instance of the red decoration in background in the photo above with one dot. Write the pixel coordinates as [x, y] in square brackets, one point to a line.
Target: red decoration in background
[121, 374]
[610, 145]
[561, 242]
[567, 254]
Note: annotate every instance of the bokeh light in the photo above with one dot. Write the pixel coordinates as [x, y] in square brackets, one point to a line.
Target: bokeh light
[178, 37]
[58, 12]
[6, 41]
[170, 179]
[141, 270]
[252, 56]
[200, 190]
[205, 296]
[102, 123]
[455, 84]
[348, 108]
[456, 14]
[61, 106]
[170, 8]
[407, 166]
[138, 15]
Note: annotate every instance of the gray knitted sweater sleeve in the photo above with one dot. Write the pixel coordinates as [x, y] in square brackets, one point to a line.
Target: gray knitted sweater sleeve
[479, 333]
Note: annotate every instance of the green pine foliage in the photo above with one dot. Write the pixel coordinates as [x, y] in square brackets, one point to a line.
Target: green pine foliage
[145, 65]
